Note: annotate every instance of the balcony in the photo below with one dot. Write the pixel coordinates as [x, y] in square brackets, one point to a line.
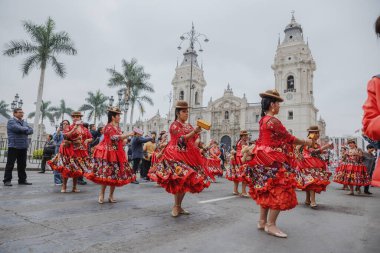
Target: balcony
[290, 90]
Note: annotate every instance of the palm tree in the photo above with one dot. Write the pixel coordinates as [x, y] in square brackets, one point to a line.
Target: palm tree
[45, 111]
[96, 105]
[46, 44]
[132, 77]
[4, 109]
[61, 110]
[137, 98]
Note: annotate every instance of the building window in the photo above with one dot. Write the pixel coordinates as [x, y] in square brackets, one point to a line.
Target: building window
[290, 115]
[196, 98]
[181, 95]
[290, 83]
[257, 118]
[226, 115]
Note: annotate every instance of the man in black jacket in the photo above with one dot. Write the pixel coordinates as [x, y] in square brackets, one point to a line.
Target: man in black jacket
[49, 150]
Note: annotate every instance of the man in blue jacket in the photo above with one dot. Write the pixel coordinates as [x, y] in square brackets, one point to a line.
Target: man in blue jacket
[18, 131]
[137, 149]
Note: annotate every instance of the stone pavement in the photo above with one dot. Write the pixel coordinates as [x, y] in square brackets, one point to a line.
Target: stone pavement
[39, 218]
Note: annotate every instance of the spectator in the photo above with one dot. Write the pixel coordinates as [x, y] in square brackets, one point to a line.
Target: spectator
[137, 149]
[81, 180]
[49, 150]
[18, 131]
[223, 155]
[58, 139]
[369, 161]
[149, 148]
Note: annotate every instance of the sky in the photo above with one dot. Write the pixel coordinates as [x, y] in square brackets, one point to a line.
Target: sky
[243, 40]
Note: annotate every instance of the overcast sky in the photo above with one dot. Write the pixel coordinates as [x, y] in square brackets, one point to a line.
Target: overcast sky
[243, 39]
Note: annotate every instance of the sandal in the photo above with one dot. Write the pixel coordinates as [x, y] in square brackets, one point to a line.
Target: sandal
[101, 199]
[111, 200]
[244, 195]
[175, 213]
[75, 190]
[307, 203]
[236, 193]
[313, 205]
[279, 234]
[261, 224]
[184, 212]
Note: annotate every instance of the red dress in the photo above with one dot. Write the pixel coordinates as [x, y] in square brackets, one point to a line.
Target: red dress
[371, 119]
[352, 171]
[181, 168]
[214, 162]
[271, 177]
[313, 174]
[110, 164]
[235, 172]
[72, 159]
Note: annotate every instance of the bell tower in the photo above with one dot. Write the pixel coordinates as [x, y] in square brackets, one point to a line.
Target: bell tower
[293, 70]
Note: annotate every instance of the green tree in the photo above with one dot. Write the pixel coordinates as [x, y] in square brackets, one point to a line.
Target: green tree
[132, 78]
[96, 105]
[138, 99]
[43, 49]
[4, 109]
[45, 112]
[61, 110]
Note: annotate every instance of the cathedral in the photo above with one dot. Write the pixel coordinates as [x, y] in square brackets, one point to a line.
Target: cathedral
[293, 72]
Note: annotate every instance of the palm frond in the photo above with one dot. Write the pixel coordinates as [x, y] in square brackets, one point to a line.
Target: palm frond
[59, 68]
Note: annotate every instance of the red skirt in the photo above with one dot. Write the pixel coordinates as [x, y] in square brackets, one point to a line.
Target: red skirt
[352, 174]
[313, 179]
[214, 166]
[69, 166]
[235, 172]
[110, 173]
[272, 187]
[178, 177]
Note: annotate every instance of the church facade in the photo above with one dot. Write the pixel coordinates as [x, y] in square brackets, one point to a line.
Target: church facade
[293, 71]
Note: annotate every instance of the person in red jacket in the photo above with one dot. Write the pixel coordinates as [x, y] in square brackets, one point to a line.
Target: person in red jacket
[371, 107]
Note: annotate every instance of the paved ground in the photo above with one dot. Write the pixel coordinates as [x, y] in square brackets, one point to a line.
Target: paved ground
[39, 218]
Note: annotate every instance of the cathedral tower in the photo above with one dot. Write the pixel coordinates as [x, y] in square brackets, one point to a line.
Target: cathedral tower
[293, 70]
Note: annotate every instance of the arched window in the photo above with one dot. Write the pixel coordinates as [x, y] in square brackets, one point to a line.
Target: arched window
[181, 95]
[196, 98]
[226, 115]
[290, 83]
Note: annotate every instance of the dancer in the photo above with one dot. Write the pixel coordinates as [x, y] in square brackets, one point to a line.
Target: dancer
[371, 117]
[272, 179]
[214, 161]
[72, 159]
[235, 171]
[352, 172]
[160, 147]
[110, 165]
[181, 168]
[313, 175]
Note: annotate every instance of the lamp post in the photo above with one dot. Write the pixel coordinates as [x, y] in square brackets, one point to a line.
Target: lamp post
[194, 38]
[17, 102]
[123, 104]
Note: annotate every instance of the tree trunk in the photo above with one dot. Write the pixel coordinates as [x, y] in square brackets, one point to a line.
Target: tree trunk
[131, 118]
[125, 122]
[38, 104]
[95, 118]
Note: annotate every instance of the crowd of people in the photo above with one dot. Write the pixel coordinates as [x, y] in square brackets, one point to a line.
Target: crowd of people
[272, 167]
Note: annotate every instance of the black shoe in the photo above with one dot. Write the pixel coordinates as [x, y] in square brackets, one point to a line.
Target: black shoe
[25, 183]
[82, 182]
[367, 192]
[135, 182]
[41, 171]
[8, 183]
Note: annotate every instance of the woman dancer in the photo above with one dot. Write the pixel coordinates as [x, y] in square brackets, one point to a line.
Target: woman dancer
[214, 161]
[181, 168]
[110, 165]
[313, 176]
[352, 172]
[72, 159]
[272, 179]
[162, 143]
[235, 171]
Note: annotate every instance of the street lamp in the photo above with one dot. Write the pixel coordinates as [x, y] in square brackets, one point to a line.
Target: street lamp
[17, 102]
[194, 38]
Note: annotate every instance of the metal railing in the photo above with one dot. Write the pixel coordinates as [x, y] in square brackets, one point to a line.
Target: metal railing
[34, 155]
